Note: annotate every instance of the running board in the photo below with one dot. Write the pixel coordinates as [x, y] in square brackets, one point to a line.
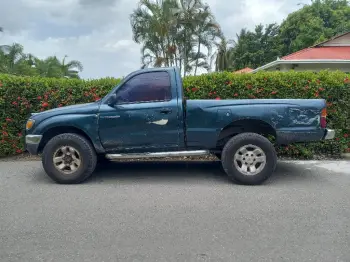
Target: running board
[158, 154]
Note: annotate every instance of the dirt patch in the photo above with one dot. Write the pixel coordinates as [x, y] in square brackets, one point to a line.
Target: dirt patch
[21, 157]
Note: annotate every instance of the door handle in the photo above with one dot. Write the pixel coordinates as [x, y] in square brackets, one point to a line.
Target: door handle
[110, 117]
[166, 111]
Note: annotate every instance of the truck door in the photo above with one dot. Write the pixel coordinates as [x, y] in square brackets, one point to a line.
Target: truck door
[144, 116]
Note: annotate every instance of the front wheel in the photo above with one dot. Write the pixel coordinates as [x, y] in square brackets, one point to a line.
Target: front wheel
[249, 158]
[69, 158]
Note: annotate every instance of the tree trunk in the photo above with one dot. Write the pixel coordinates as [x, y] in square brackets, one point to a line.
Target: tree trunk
[175, 58]
[197, 58]
[185, 61]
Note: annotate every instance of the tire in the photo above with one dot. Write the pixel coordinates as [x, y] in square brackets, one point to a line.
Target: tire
[261, 156]
[80, 148]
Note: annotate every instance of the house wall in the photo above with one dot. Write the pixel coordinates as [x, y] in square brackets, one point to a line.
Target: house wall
[313, 67]
[340, 41]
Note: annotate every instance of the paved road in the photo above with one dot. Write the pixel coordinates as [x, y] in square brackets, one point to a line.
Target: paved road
[175, 212]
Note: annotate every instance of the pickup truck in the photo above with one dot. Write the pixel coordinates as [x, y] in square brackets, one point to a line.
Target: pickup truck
[146, 115]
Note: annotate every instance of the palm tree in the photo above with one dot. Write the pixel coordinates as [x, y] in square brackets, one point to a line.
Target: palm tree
[53, 67]
[188, 14]
[170, 31]
[12, 59]
[206, 32]
[151, 24]
[49, 67]
[72, 68]
[224, 56]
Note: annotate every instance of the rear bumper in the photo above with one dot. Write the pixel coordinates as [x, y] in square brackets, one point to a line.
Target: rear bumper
[302, 136]
[330, 134]
[32, 143]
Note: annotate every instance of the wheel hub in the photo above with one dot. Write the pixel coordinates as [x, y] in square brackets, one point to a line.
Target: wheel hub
[67, 159]
[250, 160]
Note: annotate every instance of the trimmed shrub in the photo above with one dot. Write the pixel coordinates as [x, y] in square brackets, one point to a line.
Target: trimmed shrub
[20, 96]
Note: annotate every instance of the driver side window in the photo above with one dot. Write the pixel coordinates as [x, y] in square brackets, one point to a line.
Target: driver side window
[145, 87]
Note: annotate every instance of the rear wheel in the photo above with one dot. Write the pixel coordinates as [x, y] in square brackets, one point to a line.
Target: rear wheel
[69, 158]
[249, 158]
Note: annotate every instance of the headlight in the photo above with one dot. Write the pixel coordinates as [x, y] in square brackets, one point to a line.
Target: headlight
[30, 124]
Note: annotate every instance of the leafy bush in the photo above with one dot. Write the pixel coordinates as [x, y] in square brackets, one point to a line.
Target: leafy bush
[20, 96]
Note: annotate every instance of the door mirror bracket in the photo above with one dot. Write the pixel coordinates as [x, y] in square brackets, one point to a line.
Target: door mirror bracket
[112, 100]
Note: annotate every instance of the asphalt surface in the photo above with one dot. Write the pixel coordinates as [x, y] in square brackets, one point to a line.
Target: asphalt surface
[176, 212]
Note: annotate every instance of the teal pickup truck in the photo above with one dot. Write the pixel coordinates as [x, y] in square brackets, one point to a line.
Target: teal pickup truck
[146, 115]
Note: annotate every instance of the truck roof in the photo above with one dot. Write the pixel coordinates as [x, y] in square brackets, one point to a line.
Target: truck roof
[156, 69]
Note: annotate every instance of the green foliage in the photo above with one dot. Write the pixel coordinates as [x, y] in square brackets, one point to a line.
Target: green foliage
[20, 96]
[253, 49]
[314, 23]
[175, 33]
[14, 61]
[310, 25]
[224, 57]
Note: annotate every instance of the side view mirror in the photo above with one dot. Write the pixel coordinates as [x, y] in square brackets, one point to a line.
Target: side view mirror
[112, 100]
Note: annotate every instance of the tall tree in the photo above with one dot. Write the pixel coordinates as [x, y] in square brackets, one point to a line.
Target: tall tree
[53, 67]
[48, 67]
[174, 32]
[255, 48]
[206, 31]
[250, 49]
[14, 61]
[71, 68]
[314, 23]
[224, 56]
[151, 24]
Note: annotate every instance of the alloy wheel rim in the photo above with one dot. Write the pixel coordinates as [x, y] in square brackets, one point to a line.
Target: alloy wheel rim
[67, 159]
[249, 160]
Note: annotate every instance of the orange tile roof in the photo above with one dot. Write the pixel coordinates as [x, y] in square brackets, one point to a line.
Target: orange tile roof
[324, 52]
[244, 70]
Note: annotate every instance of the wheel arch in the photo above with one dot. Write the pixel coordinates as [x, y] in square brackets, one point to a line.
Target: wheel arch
[244, 126]
[56, 130]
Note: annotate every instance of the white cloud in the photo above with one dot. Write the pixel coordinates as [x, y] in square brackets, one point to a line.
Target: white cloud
[98, 33]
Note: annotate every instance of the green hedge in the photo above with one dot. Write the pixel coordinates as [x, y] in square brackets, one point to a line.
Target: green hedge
[19, 96]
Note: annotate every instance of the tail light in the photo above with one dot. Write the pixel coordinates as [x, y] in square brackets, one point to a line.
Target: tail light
[323, 120]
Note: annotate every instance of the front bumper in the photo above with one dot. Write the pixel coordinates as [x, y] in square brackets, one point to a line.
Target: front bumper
[330, 134]
[32, 143]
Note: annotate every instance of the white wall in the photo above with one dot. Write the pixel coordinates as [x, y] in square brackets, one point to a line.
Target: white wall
[313, 67]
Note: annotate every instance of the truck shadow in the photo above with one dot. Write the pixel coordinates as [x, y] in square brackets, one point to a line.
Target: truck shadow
[180, 171]
[174, 171]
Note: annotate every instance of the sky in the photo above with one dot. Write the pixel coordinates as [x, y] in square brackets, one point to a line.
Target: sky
[98, 32]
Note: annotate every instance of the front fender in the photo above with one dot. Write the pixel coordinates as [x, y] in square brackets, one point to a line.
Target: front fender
[88, 124]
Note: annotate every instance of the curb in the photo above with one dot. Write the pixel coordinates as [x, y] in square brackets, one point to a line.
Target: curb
[345, 155]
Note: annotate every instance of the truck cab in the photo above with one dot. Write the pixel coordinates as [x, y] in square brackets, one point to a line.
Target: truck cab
[146, 115]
